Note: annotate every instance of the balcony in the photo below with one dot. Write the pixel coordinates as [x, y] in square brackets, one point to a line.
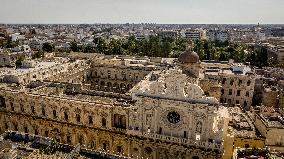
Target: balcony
[190, 142]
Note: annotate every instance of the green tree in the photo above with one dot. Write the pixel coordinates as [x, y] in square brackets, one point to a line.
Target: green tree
[223, 56]
[166, 48]
[19, 61]
[115, 47]
[38, 54]
[47, 47]
[100, 45]
[74, 46]
[132, 46]
[11, 44]
[155, 47]
[88, 49]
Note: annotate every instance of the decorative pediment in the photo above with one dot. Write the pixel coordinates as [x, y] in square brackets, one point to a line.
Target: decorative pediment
[172, 84]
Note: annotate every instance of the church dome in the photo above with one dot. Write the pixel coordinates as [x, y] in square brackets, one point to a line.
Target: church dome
[188, 57]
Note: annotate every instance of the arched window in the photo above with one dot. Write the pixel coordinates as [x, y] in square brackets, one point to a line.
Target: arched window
[2, 102]
[206, 93]
[93, 144]
[12, 106]
[33, 109]
[16, 127]
[122, 85]
[68, 138]
[119, 149]
[66, 116]
[78, 118]
[116, 85]
[195, 157]
[148, 150]
[54, 114]
[109, 84]
[231, 82]
[81, 140]
[104, 146]
[90, 119]
[43, 111]
[22, 108]
[248, 83]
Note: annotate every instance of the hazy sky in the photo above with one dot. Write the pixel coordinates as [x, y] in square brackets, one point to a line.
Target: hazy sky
[137, 11]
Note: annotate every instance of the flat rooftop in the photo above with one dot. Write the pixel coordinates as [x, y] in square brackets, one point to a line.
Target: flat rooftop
[233, 70]
[37, 67]
[273, 121]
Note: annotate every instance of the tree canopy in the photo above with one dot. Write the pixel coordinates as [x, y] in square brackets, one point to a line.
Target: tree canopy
[47, 47]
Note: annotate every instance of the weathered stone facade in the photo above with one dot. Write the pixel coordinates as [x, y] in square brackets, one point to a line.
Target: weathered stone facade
[272, 128]
[165, 113]
[237, 84]
[92, 124]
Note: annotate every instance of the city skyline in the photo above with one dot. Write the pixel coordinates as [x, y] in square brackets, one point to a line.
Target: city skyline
[126, 11]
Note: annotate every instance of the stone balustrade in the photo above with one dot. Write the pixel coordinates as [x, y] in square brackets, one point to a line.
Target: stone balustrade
[195, 143]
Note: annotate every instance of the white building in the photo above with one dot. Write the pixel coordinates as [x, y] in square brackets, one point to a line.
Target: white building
[168, 34]
[218, 35]
[193, 34]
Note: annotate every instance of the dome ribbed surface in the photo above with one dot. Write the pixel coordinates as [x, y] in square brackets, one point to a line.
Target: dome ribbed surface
[188, 57]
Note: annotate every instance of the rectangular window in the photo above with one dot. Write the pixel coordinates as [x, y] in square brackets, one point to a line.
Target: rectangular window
[247, 94]
[69, 139]
[26, 129]
[103, 122]
[238, 92]
[229, 101]
[230, 92]
[46, 133]
[224, 81]
[240, 82]
[185, 134]
[160, 131]
[43, 111]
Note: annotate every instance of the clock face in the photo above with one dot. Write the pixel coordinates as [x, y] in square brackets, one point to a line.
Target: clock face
[173, 117]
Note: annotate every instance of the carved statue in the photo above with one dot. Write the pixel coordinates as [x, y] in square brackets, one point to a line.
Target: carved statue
[199, 127]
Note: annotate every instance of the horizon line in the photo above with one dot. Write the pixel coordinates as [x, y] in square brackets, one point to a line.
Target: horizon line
[142, 23]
